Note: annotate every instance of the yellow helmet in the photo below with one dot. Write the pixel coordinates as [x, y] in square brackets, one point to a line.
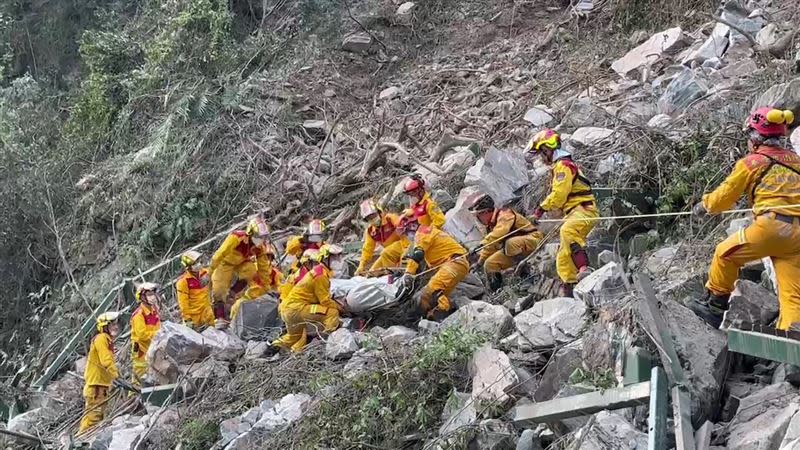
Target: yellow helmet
[545, 138]
[309, 255]
[106, 319]
[257, 227]
[190, 258]
[145, 287]
[327, 250]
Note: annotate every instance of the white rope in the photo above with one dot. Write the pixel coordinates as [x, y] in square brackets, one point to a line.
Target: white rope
[669, 214]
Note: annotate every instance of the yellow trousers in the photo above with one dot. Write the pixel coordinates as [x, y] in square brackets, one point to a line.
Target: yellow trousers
[319, 317]
[390, 257]
[203, 318]
[138, 370]
[222, 277]
[765, 237]
[442, 283]
[94, 409]
[577, 225]
[514, 250]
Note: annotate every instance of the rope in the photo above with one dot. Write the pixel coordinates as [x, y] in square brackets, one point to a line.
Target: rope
[669, 214]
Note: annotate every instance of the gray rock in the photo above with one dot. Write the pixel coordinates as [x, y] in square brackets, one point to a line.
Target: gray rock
[750, 303]
[538, 116]
[493, 377]
[362, 361]
[768, 35]
[607, 256]
[791, 440]
[784, 96]
[471, 287]
[614, 164]
[357, 43]
[405, 9]
[528, 441]
[255, 349]
[258, 320]
[550, 322]
[125, 439]
[714, 47]
[289, 409]
[558, 371]
[494, 321]
[174, 345]
[224, 346]
[459, 413]
[528, 382]
[795, 138]
[231, 428]
[389, 93]
[245, 441]
[493, 434]
[428, 327]
[610, 430]
[590, 136]
[659, 122]
[642, 242]
[684, 90]
[26, 422]
[398, 335]
[208, 369]
[601, 286]
[460, 222]
[341, 344]
[582, 113]
[652, 50]
[312, 124]
[660, 260]
[501, 174]
[763, 418]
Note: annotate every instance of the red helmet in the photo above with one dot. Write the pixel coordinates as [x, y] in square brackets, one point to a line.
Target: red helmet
[413, 184]
[407, 224]
[770, 122]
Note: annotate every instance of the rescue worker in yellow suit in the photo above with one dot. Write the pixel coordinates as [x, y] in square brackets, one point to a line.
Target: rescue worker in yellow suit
[268, 279]
[310, 302]
[511, 237]
[571, 193]
[769, 177]
[145, 323]
[381, 229]
[243, 254]
[423, 208]
[306, 264]
[194, 301]
[100, 372]
[440, 252]
[313, 238]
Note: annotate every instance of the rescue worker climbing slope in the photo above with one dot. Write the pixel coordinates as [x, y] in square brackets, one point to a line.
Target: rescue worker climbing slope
[381, 229]
[313, 238]
[100, 371]
[310, 303]
[440, 252]
[145, 323]
[769, 176]
[268, 279]
[243, 254]
[571, 192]
[510, 238]
[422, 207]
[191, 290]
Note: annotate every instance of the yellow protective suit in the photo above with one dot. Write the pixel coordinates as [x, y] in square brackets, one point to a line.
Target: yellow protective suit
[443, 252]
[286, 287]
[394, 246]
[309, 303]
[145, 323]
[194, 301]
[511, 238]
[295, 247]
[427, 212]
[98, 375]
[238, 256]
[767, 185]
[571, 193]
[261, 286]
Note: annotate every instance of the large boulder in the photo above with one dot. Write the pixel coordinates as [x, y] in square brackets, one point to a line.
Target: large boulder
[460, 222]
[493, 378]
[538, 116]
[459, 413]
[590, 136]
[258, 320]
[784, 96]
[714, 47]
[610, 430]
[601, 286]
[500, 173]
[763, 418]
[397, 335]
[682, 91]
[341, 344]
[652, 50]
[549, 323]
[224, 346]
[750, 303]
[26, 422]
[493, 321]
[471, 287]
[174, 345]
[558, 371]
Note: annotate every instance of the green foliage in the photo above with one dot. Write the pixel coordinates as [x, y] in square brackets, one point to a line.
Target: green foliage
[602, 379]
[199, 434]
[691, 170]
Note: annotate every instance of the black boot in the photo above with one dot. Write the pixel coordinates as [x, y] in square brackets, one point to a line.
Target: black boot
[566, 290]
[495, 281]
[271, 351]
[711, 308]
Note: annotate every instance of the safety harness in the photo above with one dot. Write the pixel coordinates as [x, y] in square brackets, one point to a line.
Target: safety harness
[772, 163]
[579, 176]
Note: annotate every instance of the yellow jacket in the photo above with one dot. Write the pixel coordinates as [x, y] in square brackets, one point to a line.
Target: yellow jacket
[100, 367]
[385, 235]
[568, 190]
[313, 288]
[766, 183]
[504, 222]
[291, 281]
[192, 294]
[145, 323]
[427, 212]
[235, 251]
[295, 246]
[437, 246]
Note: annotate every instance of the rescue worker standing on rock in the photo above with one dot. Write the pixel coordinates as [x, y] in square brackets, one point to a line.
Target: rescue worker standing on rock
[191, 288]
[310, 303]
[313, 238]
[510, 238]
[770, 178]
[422, 207]
[381, 229]
[240, 255]
[441, 253]
[100, 372]
[571, 192]
[145, 323]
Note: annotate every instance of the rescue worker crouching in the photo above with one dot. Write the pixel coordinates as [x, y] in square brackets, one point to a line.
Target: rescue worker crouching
[192, 292]
[145, 323]
[268, 279]
[422, 208]
[310, 303]
[242, 254]
[100, 372]
[381, 229]
[306, 264]
[571, 192]
[313, 238]
[510, 238]
[769, 177]
[441, 252]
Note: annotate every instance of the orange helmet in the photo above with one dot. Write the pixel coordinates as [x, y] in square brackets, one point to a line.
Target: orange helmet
[546, 138]
[770, 122]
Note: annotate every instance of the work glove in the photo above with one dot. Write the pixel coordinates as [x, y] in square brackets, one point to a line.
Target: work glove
[537, 214]
[699, 210]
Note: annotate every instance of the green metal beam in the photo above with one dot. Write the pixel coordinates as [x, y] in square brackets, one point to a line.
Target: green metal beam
[638, 366]
[159, 395]
[773, 348]
[657, 422]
